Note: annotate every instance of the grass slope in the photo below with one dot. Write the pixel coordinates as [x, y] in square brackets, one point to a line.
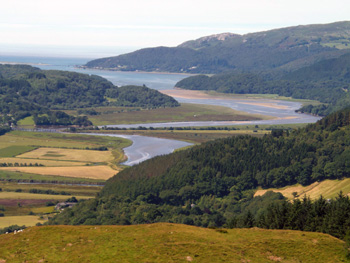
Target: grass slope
[166, 243]
[326, 188]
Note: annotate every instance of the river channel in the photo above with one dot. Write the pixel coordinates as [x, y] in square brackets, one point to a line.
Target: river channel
[143, 147]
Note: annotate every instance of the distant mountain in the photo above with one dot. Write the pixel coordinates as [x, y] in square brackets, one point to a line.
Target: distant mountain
[286, 49]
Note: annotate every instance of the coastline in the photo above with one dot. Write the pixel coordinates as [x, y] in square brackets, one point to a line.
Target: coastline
[137, 71]
[22, 63]
[197, 94]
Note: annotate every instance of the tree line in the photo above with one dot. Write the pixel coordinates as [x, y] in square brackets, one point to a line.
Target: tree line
[326, 81]
[28, 91]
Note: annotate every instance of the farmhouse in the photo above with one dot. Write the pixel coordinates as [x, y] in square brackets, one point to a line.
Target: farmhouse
[61, 206]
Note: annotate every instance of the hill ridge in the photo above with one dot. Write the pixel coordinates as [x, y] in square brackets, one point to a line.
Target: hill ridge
[285, 48]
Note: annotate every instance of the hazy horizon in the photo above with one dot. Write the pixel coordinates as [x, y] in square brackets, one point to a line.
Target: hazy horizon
[88, 28]
[83, 51]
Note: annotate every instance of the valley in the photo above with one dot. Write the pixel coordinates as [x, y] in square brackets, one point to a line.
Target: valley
[229, 158]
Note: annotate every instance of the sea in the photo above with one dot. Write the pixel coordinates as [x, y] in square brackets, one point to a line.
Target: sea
[158, 81]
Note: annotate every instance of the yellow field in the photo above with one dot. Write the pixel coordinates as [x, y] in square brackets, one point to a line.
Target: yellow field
[42, 162]
[93, 172]
[327, 188]
[16, 195]
[69, 154]
[44, 209]
[19, 220]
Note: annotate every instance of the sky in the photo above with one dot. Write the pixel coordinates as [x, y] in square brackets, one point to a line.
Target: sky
[90, 28]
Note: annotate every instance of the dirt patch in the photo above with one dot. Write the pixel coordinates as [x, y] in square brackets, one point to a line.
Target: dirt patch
[188, 94]
[268, 105]
[274, 258]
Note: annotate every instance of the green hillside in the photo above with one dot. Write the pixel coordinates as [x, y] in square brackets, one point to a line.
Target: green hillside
[167, 243]
[326, 81]
[286, 48]
[25, 91]
[213, 184]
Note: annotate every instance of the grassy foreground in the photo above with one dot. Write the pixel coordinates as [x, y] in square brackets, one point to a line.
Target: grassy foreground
[167, 243]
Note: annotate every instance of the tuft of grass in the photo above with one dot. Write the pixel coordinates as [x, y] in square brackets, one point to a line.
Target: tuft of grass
[167, 243]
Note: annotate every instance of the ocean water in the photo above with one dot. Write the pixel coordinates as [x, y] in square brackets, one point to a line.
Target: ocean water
[158, 81]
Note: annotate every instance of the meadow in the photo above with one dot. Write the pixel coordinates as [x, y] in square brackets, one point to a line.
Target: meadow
[185, 112]
[167, 243]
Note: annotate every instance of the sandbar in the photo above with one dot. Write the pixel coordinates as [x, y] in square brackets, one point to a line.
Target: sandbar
[197, 94]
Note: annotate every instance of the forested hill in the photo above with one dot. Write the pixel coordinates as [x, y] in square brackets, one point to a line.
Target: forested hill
[210, 184]
[327, 81]
[26, 90]
[286, 49]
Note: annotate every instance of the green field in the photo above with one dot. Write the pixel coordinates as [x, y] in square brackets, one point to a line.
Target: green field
[12, 151]
[186, 112]
[26, 177]
[28, 121]
[60, 140]
[20, 221]
[20, 195]
[167, 243]
[72, 189]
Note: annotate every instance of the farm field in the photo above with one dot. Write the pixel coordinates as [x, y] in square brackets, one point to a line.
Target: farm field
[327, 188]
[102, 172]
[9, 176]
[39, 148]
[80, 190]
[186, 112]
[30, 196]
[43, 162]
[167, 243]
[69, 155]
[49, 159]
[20, 221]
[59, 140]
